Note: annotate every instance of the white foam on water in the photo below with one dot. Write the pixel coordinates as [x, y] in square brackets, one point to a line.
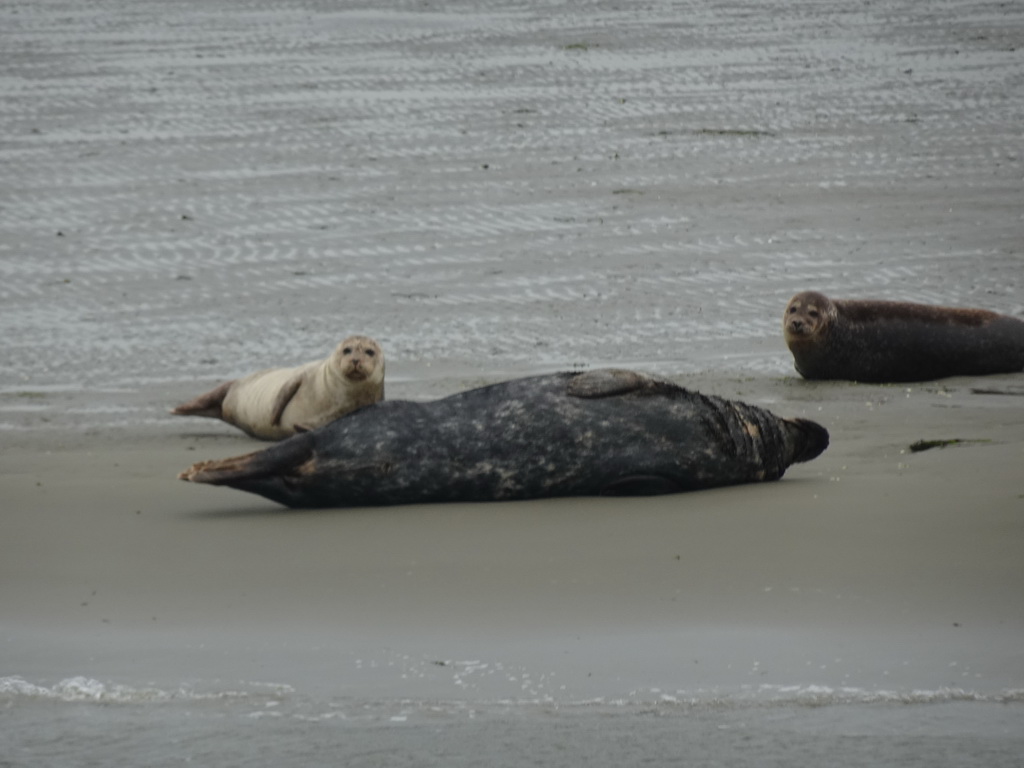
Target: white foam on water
[280, 700]
[85, 689]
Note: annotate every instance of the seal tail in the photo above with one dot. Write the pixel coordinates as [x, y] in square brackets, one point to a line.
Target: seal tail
[208, 404]
[805, 439]
[254, 468]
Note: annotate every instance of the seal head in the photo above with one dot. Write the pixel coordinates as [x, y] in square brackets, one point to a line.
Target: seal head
[807, 317]
[806, 326]
[358, 358]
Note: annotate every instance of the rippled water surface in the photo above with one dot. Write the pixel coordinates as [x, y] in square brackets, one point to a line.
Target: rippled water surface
[82, 719]
[196, 190]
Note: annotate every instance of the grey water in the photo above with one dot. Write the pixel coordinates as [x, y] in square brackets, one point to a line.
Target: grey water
[82, 722]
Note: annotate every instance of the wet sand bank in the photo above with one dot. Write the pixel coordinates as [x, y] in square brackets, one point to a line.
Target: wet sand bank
[870, 567]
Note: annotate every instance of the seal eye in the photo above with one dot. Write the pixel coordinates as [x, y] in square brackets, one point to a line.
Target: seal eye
[370, 353]
[813, 313]
[347, 351]
[792, 310]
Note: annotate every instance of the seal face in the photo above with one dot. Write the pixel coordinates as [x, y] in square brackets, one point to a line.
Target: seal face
[275, 403]
[895, 341]
[568, 434]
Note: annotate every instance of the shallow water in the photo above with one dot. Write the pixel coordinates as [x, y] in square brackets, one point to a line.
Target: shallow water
[197, 191]
[82, 722]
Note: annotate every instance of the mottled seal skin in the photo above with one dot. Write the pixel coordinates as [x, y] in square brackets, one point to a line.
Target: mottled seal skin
[895, 341]
[567, 434]
[275, 403]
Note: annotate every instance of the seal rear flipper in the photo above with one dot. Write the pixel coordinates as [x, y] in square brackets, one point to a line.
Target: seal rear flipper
[641, 485]
[283, 460]
[609, 382]
[283, 398]
[208, 404]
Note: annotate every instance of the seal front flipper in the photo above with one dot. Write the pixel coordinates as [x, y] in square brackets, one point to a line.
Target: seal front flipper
[609, 382]
[208, 404]
[641, 485]
[284, 396]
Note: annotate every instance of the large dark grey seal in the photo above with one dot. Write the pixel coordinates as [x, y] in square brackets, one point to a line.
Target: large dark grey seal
[600, 432]
[892, 341]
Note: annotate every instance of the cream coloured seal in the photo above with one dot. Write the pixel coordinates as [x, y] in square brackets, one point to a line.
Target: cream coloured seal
[275, 403]
[893, 341]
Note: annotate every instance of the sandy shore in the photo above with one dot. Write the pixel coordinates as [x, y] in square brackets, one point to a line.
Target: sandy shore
[872, 567]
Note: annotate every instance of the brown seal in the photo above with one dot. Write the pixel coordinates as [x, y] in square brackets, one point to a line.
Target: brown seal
[891, 341]
[276, 403]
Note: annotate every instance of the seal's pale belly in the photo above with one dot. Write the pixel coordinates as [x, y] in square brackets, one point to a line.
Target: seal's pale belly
[250, 402]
